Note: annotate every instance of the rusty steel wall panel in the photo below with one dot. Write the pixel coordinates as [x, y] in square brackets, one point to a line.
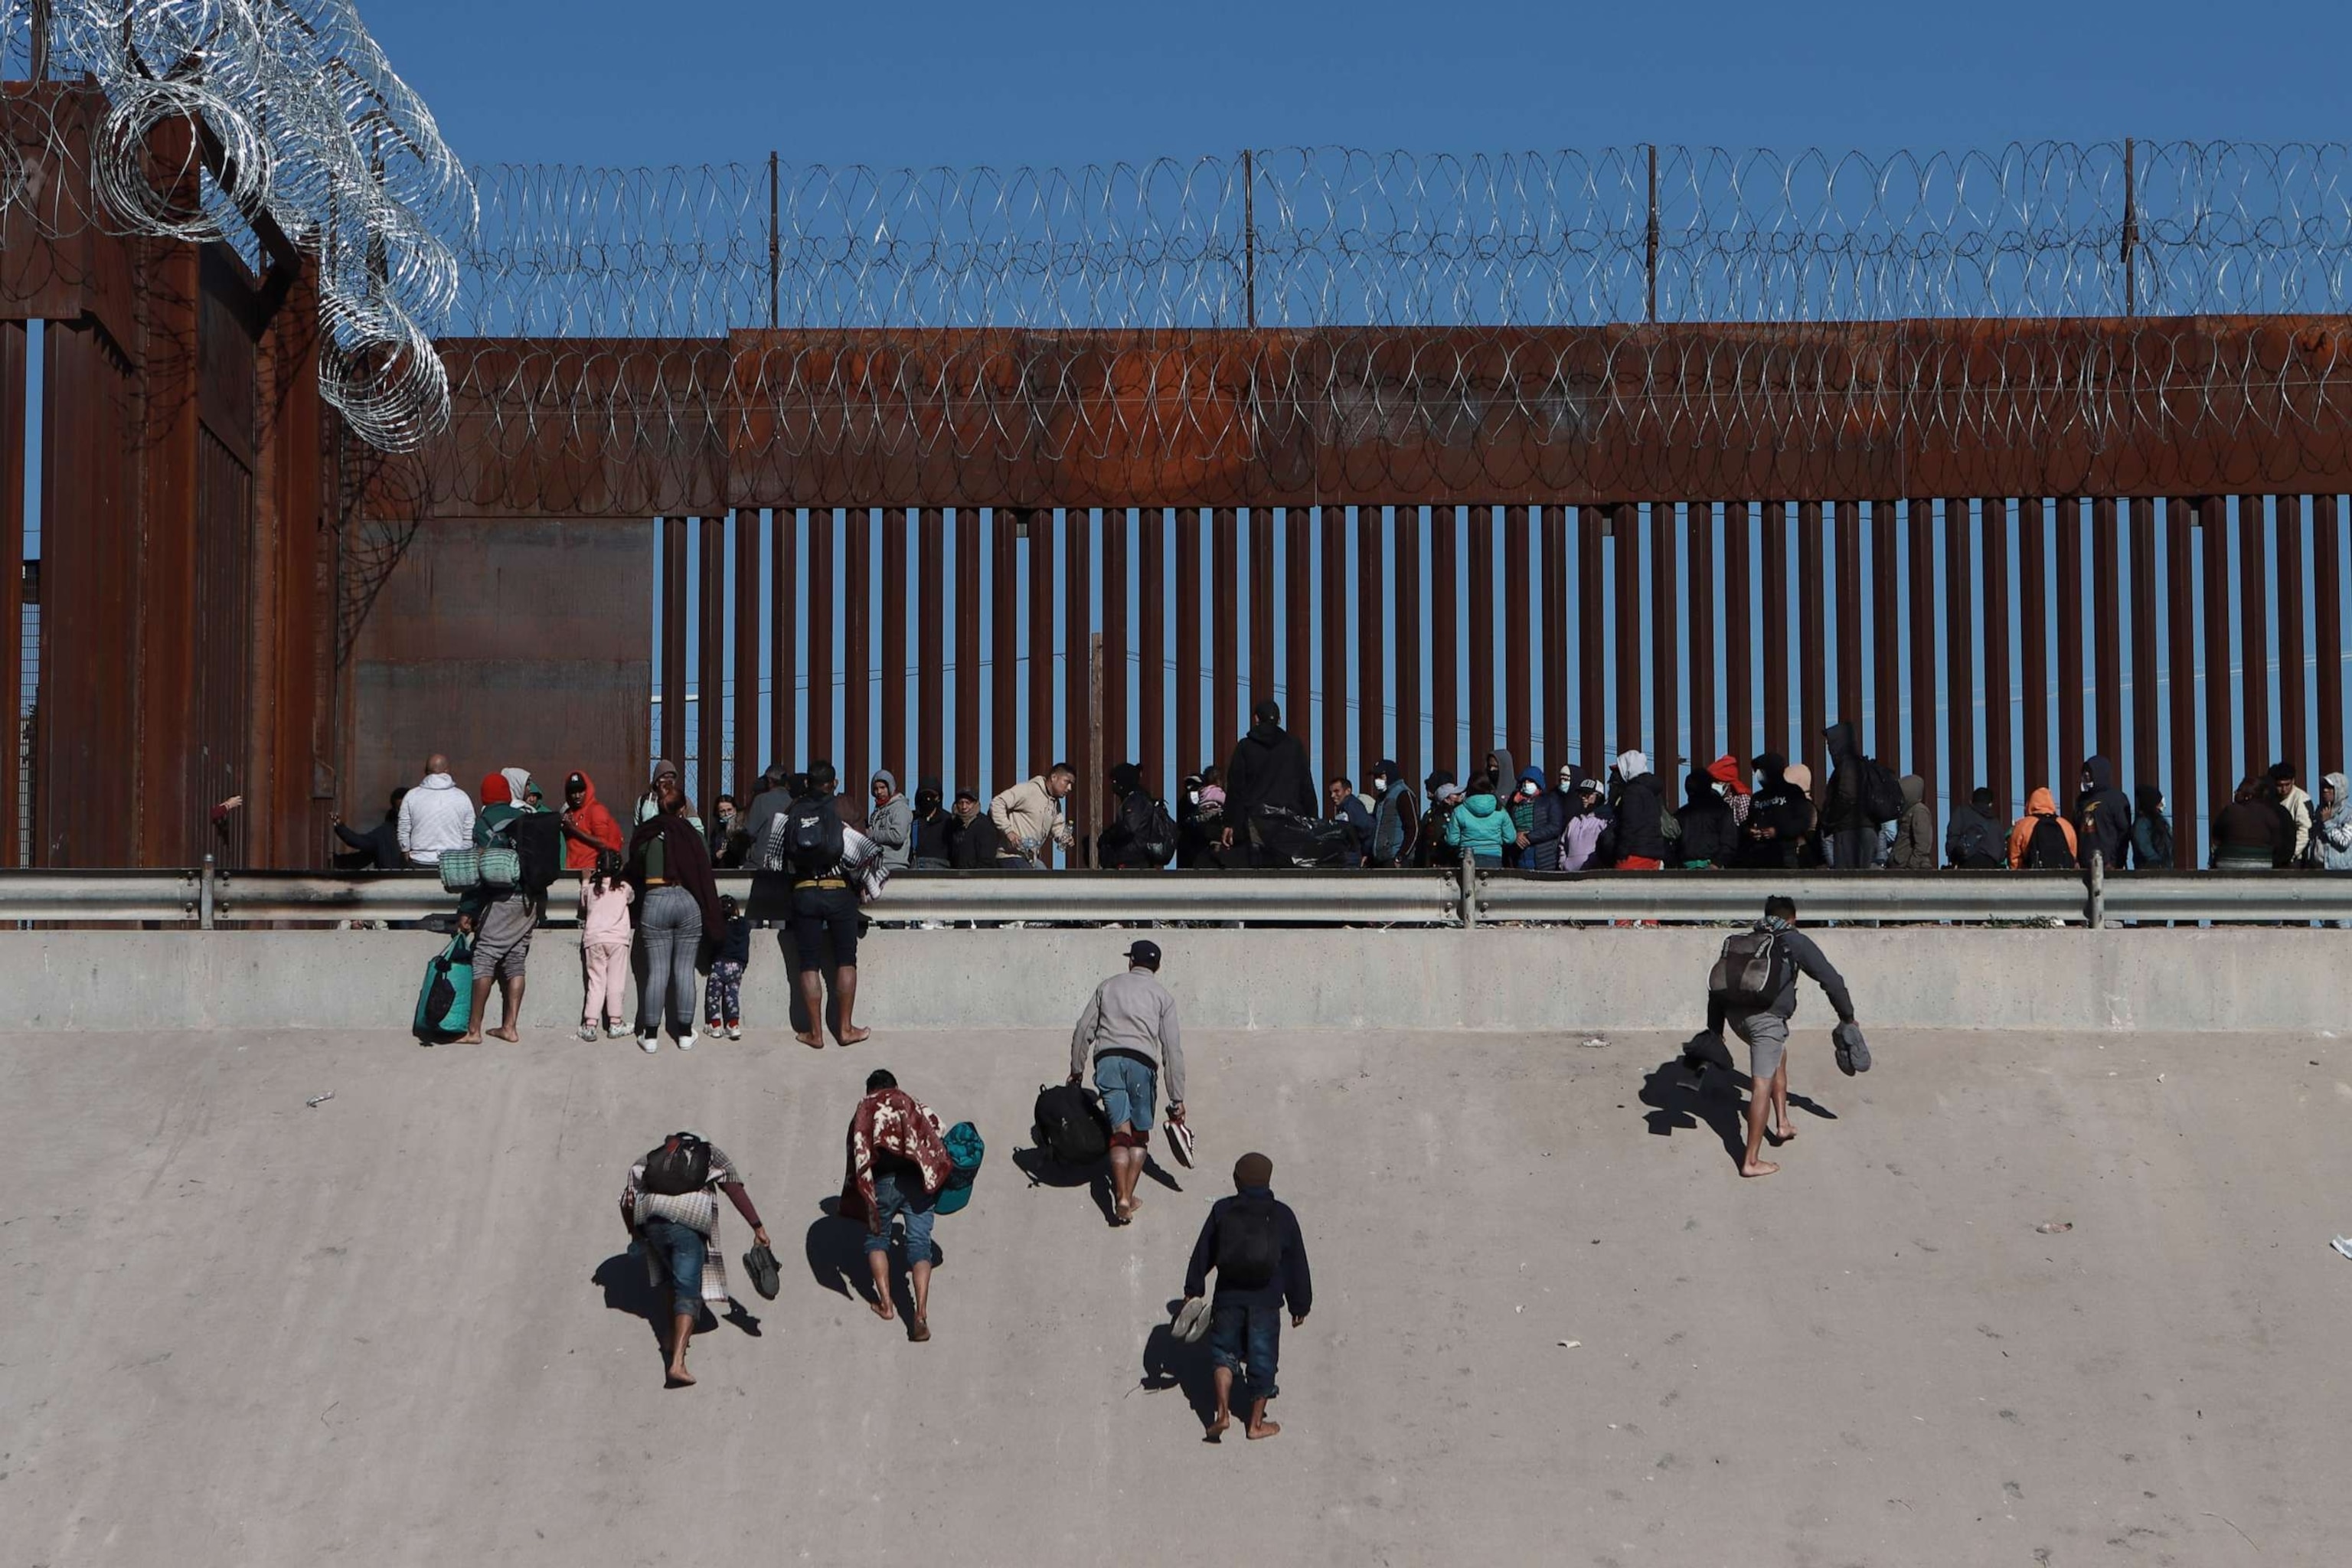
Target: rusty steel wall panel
[1848, 619]
[2147, 740]
[2254, 635]
[1959, 652]
[1077, 677]
[1666, 638]
[1224, 616]
[1699, 532]
[787, 616]
[746, 642]
[672, 532]
[856, 757]
[1152, 651]
[930, 652]
[892, 662]
[1263, 528]
[1117, 532]
[2294, 732]
[1627, 527]
[1410, 625]
[1812, 673]
[711, 663]
[1518, 649]
[14, 389]
[1592, 633]
[2071, 754]
[1738, 639]
[823, 739]
[1300, 594]
[1774, 599]
[2106, 629]
[2001, 713]
[1191, 740]
[1371, 642]
[1920, 621]
[1044, 537]
[2223, 765]
[1334, 683]
[1005, 757]
[2034, 646]
[1479, 517]
[1558, 657]
[1886, 638]
[2187, 764]
[1444, 644]
[2328, 627]
[969, 598]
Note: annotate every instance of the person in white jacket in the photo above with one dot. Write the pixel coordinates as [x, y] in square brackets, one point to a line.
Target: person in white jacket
[435, 815]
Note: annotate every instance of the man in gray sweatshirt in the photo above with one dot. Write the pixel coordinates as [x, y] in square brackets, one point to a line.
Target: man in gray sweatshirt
[1129, 1032]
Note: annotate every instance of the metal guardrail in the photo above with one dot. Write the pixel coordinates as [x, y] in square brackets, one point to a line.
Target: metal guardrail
[205, 898]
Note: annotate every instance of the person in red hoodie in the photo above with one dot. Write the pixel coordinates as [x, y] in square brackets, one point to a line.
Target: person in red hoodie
[588, 828]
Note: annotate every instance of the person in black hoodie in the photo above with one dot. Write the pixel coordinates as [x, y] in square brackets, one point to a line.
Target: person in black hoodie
[1121, 845]
[2103, 817]
[1975, 840]
[1638, 828]
[971, 837]
[1847, 833]
[1779, 818]
[932, 846]
[2151, 831]
[1710, 838]
[1269, 772]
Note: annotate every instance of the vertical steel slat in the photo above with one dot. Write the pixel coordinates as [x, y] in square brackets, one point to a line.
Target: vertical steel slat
[1518, 651]
[1300, 593]
[1699, 530]
[931, 652]
[2187, 765]
[1959, 651]
[2221, 769]
[1558, 663]
[1774, 598]
[2253, 634]
[1371, 646]
[1263, 527]
[1666, 640]
[1408, 639]
[1739, 636]
[750, 576]
[2000, 716]
[673, 706]
[1335, 682]
[1592, 653]
[1005, 757]
[711, 664]
[2033, 643]
[1224, 612]
[1151, 650]
[1078, 674]
[1189, 668]
[1625, 535]
[968, 602]
[1813, 675]
[2071, 754]
[1920, 514]
[1117, 526]
[785, 617]
[857, 756]
[897, 524]
[2328, 629]
[823, 740]
[1444, 648]
[2294, 733]
[14, 393]
[1848, 618]
[1887, 639]
[1481, 605]
[1046, 526]
[2146, 740]
[2106, 629]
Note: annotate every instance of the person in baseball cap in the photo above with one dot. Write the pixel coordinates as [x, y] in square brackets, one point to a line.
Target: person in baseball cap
[1129, 1032]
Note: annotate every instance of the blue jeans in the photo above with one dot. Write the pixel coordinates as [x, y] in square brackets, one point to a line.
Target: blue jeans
[892, 1200]
[1246, 1334]
[1127, 1088]
[680, 1250]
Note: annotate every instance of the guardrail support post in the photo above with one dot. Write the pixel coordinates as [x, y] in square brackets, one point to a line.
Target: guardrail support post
[2098, 891]
[204, 896]
[1467, 904]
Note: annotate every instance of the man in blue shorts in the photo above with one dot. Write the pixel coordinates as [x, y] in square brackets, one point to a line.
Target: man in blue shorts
[1129, 1032]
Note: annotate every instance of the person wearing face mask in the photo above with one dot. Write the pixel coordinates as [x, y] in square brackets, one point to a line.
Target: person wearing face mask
[1188, 806]
[1779, 824]
[1710, 837]
[1538, 816]
[1396, 818]
[930, 824]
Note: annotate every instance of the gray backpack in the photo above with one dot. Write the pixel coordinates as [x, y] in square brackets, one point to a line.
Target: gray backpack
[1752, 971]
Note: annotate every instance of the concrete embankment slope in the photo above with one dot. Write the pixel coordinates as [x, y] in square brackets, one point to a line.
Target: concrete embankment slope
[396, 1329]
[1490, 979]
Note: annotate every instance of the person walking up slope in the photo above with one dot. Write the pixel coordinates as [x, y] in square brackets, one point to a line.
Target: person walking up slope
[1252, 1240]
[897, 1163]
[1128, 1031]
[1753, 987]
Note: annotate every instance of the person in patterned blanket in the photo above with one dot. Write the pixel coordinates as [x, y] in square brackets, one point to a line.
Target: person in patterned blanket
[676, 1232]
[898, 1163]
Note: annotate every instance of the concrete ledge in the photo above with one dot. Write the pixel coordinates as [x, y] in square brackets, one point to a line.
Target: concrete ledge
[1515, 980]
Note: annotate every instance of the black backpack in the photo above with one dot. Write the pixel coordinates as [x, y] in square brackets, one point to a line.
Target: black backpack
[1154, 829]
[681, 1165]
[538, 840]
[2048, 849]
[813, 842]
[1249, 1244]
[1752, 971]
[1881, 792]
[1070, 1125]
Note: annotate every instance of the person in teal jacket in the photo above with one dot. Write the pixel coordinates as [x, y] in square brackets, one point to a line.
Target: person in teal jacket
[1482, 824]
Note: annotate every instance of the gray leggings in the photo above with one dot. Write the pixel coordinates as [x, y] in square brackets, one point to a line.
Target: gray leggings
[669, 933]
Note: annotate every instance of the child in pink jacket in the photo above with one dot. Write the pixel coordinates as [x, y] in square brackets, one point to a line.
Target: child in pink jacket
[605, 948]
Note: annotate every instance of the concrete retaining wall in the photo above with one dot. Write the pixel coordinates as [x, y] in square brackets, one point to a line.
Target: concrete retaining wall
[1519, 980]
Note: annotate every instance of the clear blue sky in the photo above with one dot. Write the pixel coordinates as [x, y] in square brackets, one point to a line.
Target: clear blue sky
[921, 82]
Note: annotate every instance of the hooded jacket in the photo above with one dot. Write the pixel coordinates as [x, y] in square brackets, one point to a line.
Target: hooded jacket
[2333, 832]
[1842, 806]
[1780, 807]
[1640, 813]
[1974, 830]
[1726, 771]
[433, 816]
[2103, 817]
[1269, 767]
[892, 826]
[1915, 831]
[2151, 833]
[1481, 826]
[1709, 834]
[1542, 818]
[596, 823]
[2037, 804]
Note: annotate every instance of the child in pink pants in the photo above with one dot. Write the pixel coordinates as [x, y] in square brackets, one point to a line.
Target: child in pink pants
[605, 948]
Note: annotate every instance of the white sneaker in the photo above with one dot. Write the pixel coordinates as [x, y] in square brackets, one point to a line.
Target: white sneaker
[686, 1042]
[734, 1031]
[649, 1044]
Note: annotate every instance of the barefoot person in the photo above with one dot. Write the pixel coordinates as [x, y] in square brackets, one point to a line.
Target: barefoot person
[670, 1205]
[1252, 1240]
[825, 859]
[1129, 1032]
[898, 1163]
[1760, 1018]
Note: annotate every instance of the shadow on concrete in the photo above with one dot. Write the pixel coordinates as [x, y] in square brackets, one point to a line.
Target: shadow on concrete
[1682, 1098]
[1044, 1171]
[836, 1253]
[623, 1279]
[1169, 1363]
